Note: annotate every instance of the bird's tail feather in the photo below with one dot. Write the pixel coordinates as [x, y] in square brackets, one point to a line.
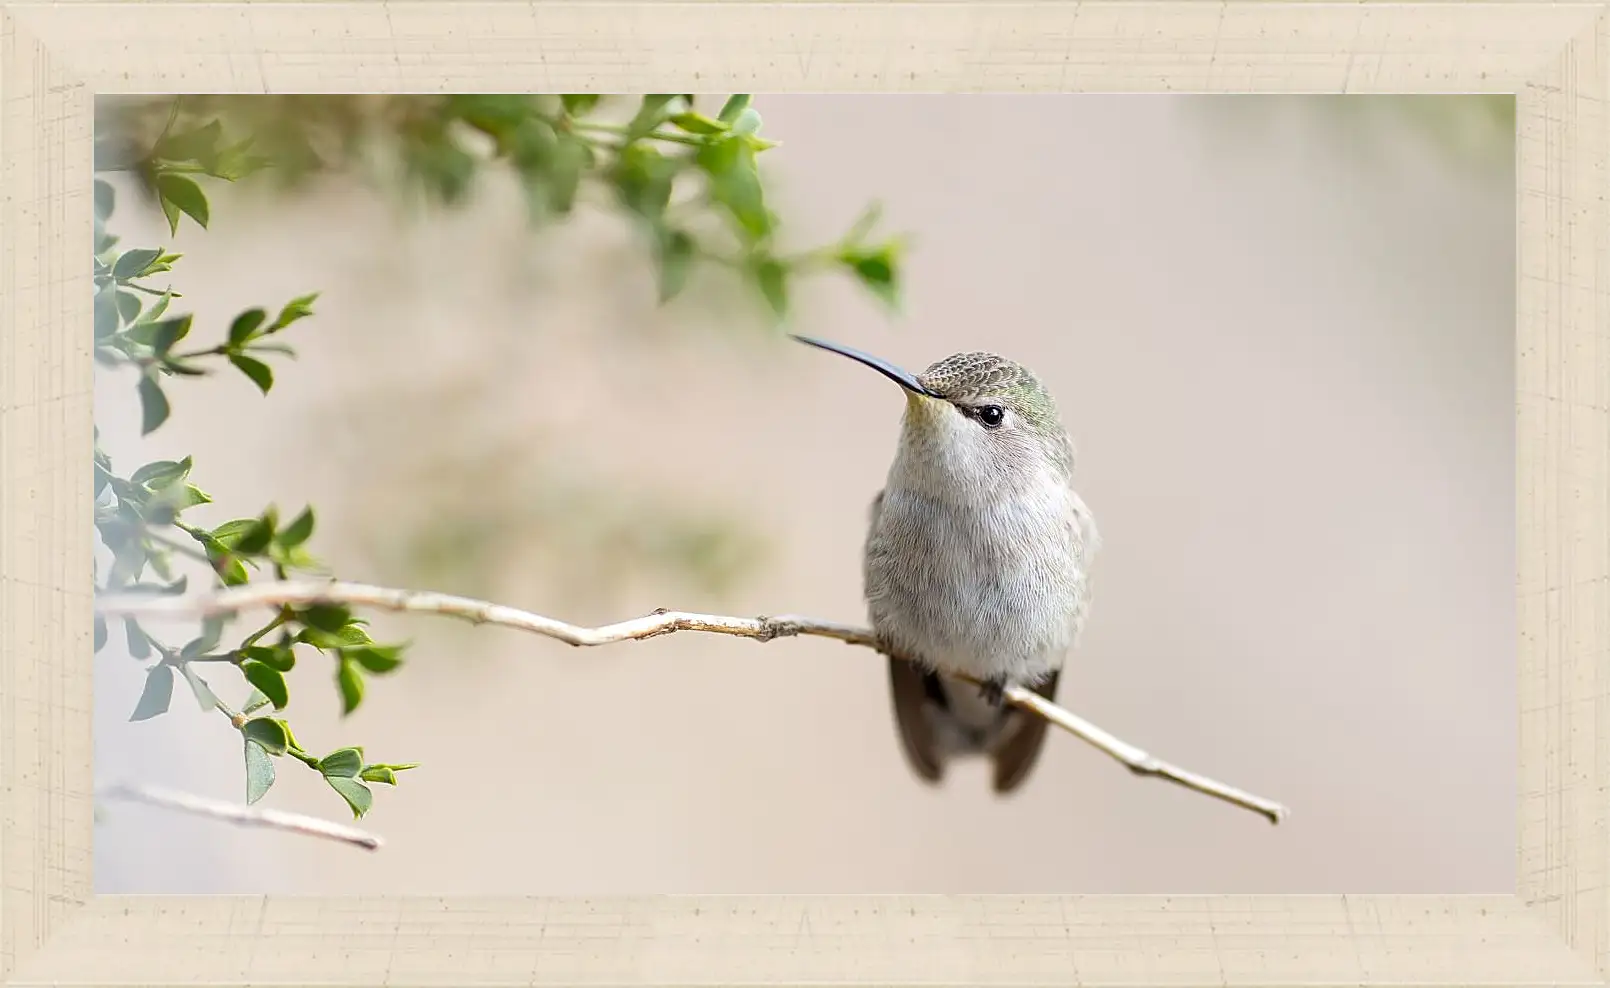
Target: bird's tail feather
[940, 719]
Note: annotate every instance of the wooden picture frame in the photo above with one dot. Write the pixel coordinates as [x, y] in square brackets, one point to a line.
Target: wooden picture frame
[55, 57]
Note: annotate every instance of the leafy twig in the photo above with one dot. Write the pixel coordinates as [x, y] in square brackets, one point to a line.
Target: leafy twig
[662, 622]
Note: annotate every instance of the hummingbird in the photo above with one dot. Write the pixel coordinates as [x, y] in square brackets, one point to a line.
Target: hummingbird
[976, 559]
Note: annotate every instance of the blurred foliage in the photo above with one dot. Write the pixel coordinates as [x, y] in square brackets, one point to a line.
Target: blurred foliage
[688, 181]
[595, 534]
[1467, 130]
[491, 504]
[1465, 127]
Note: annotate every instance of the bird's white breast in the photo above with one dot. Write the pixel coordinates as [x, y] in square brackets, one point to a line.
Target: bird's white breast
[997, 588]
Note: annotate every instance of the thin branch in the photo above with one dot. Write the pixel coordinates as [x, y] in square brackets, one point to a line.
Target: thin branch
[661, 622]
[246, 816]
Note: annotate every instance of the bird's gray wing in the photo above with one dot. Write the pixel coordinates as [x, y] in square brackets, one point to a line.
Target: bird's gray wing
[910, 691]
[1016, 756]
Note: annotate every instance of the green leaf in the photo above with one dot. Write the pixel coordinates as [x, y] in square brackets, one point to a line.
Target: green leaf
[159, 561]
[326, 617]
[269, 733]
[438, 163]
[134, 263]
[255, 369]
[143, 332]
[697, 123]
[290, 739]
[268, 679]
[186, 195]
[189, 496]
[259, 771]
[212, 632]
[648, 116]
[282, 659]
[160, 473]
[643, 180]
[255, 700]
[157, 694]
[163, 335]
[298, 531]
[170, 212]
[205, 697]
[200, 144]
[128, 306]
[772, 278]
[245, 325]
[732, 107]
[875, 270]
[532, 145]
[297, 308]
[379, 773]
[106, 314]
[228, 534]
[342, 763]
[100, 632]
[377, 659]
[257, 537]
[350, 681]
[350, 636]
[492, 114]
[160, 306]
[734, 184]
[570, 158]
[139, 644]
[229, 568]
[153, 406]
[298, 558]
[234, 163]
[127, 563]
[675, 252]
[105, 200]
[158, 512]
[357, 795]
[578, 104]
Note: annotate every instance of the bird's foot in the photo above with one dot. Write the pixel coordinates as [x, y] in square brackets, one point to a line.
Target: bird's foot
[993, 690]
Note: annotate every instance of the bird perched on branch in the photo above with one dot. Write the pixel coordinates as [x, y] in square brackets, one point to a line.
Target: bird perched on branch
[975, 561]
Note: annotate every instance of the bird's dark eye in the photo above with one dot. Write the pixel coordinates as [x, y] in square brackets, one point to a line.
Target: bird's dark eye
[991, 415]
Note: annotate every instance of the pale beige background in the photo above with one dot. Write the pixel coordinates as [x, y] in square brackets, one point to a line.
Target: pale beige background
[1288, 367]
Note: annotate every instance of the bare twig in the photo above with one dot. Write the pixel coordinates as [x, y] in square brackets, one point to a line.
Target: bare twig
[247, 816]
[661, 622]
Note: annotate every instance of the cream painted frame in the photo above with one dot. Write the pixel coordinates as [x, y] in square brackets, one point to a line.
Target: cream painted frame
[1555, 57]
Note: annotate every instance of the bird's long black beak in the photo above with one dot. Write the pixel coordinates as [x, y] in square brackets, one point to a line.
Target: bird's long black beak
[904, 378]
